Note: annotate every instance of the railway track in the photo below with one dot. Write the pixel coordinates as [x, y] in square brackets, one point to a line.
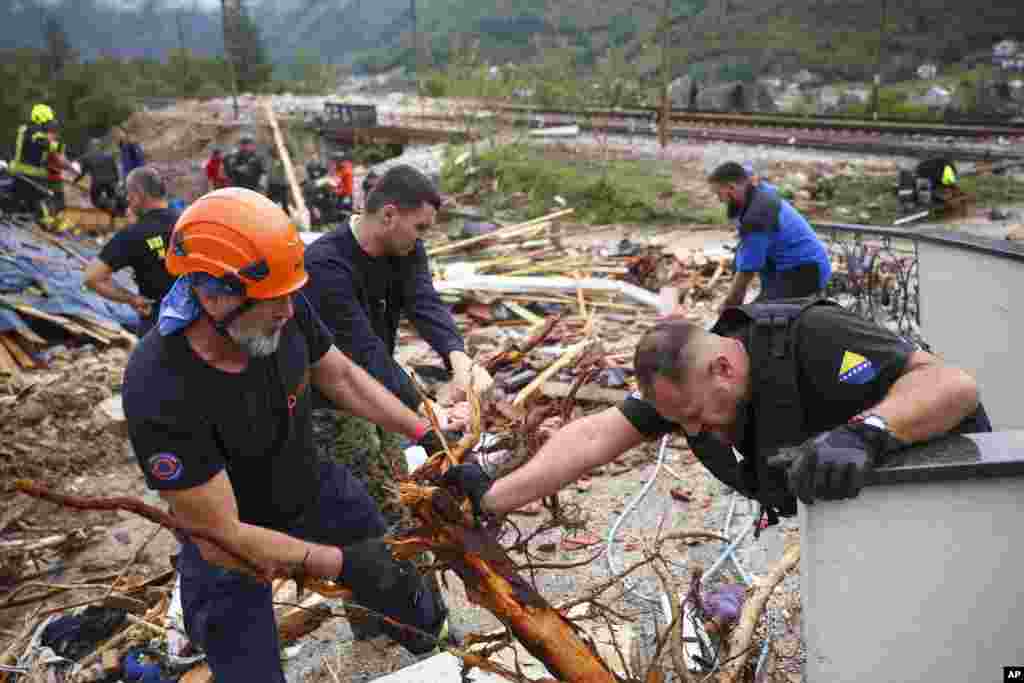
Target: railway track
[963, 129]
[891, 140]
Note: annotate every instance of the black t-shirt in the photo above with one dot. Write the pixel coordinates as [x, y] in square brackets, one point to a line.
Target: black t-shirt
[362, 300]
[845, 365]
[189, 421]
[101, 166]
[142, 246]
[244, 169]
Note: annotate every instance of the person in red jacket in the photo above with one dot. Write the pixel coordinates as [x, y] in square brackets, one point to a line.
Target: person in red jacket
[345, 183]
[215, 175]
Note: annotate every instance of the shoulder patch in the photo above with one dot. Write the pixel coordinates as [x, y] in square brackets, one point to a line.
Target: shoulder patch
[165, 466]
[856, 369]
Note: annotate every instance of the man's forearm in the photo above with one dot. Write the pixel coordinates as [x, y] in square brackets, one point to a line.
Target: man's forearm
[356, 392]
[274, 552]
[569, 453]
[738, 290]
[109, 289]
[928, 401]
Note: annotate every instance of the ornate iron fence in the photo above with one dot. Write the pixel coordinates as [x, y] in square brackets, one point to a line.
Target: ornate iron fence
[876, 276]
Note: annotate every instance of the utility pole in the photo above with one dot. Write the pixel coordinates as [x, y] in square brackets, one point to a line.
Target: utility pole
[230, 11]
[666, 74]
[415, 38]
[181, 45]
[876, 94]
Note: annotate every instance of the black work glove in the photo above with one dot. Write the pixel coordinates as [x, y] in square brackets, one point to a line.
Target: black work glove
[431, 442]
[369, 569]
[472, 481]
[833, 465]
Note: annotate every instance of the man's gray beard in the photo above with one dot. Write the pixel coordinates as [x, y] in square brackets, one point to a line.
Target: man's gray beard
[257, 346]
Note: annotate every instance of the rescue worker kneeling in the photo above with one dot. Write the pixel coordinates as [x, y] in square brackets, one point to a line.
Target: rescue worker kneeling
[218, 410]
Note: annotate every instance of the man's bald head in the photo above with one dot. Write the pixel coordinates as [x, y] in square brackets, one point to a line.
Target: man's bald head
[670, 349]
[146, 182]
[146, 189]
[697, 379]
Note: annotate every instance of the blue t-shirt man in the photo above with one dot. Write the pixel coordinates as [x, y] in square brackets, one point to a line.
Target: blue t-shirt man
[776, 242]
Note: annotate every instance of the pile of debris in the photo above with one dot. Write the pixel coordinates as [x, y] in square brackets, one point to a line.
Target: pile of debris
[44, 307]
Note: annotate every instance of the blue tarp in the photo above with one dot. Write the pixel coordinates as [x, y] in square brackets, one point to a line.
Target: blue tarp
[44, 276]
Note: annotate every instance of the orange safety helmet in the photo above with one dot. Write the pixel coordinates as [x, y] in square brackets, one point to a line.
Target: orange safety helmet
[240, 236]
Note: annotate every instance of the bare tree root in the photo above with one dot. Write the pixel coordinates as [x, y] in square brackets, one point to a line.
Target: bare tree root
[743, 634]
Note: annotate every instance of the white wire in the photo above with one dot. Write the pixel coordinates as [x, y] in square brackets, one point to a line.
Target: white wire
[629, 584]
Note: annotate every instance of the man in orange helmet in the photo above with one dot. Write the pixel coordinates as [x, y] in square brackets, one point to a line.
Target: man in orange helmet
[218, 411]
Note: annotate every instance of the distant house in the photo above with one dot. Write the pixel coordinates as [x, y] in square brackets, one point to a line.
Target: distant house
[1006, 48]
[927, 72]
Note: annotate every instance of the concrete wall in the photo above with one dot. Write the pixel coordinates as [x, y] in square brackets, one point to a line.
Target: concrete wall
[969, 314]
[916, 582]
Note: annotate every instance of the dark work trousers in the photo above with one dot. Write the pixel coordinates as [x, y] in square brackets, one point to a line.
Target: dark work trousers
[103, 195]
[231, 615]
[798, 283]
[279, 195]
[146, 323]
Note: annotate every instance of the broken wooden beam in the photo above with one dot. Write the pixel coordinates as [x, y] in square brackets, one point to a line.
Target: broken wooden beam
[501, 233]
[289, 170]
[571, 354]
[588, 392]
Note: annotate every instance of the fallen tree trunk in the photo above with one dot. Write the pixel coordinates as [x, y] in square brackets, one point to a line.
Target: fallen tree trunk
[492, 582]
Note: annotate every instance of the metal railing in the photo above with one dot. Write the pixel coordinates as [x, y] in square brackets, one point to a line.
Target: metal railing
[877, 276]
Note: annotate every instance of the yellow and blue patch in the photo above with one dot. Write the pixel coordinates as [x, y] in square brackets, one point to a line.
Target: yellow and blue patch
[856, 369]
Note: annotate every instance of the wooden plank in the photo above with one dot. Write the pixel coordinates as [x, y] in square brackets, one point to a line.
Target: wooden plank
[502, 233]
[26, 333]
[587, 392]
[570, 356]
[523, 313]
[303, 620]
[24, 360]
[8, 366]
[111, 334]
[58, 320]
[289, 171]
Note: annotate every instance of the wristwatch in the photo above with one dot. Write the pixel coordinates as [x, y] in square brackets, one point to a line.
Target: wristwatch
[874, 420]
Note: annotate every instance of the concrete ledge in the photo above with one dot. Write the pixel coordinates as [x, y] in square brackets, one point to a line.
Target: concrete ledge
[918, 579]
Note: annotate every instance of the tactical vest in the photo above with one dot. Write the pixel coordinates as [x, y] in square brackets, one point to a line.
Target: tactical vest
[30, 151]
[778, 414]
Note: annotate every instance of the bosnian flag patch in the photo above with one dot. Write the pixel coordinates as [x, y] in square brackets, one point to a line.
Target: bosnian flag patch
[165, 467]
[856, 369]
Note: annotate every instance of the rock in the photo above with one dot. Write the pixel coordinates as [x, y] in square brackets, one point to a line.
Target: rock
[32, 411]
[110, 414]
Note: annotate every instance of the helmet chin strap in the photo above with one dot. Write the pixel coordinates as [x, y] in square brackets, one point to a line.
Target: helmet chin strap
[224, 323]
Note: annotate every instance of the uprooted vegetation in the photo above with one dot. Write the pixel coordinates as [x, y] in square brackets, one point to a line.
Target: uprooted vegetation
[523, 181]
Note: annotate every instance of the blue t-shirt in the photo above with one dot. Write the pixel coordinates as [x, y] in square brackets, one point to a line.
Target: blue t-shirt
[774, 238]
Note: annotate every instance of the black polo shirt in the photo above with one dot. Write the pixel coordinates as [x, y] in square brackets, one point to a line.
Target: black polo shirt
[188, 421]
[845, 365]
[142, 246]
